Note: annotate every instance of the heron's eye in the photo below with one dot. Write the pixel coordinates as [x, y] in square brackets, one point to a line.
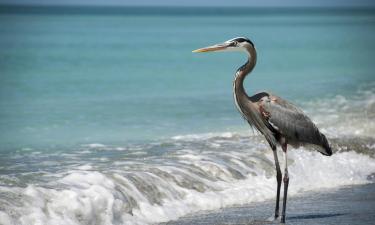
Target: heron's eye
[234, 43]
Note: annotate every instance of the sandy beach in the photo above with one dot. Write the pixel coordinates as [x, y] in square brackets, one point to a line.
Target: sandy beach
[348, 205]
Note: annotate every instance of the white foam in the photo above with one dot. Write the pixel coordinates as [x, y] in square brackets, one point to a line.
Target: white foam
[312, 171]
[204, 136]
[94, 145]
[85, 167]
[5, 219]
[345, 116]
[88, 197]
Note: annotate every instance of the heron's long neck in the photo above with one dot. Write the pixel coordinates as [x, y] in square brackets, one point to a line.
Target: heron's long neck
[238, 88]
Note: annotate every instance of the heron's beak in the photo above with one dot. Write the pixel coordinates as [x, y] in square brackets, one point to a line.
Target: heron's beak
[214, 48]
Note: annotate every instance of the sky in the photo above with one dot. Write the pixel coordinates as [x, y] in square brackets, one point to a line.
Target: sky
[255, 3]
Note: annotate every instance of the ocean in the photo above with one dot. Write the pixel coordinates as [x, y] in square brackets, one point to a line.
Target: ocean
[107, 117]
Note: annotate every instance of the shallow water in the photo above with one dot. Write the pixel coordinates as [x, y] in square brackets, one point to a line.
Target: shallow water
[110, 119]
[346, 205]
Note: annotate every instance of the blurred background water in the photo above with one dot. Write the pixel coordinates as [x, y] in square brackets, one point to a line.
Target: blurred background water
[71, 78]
[108, 118]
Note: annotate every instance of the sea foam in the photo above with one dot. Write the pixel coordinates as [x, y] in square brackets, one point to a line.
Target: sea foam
[166, 191]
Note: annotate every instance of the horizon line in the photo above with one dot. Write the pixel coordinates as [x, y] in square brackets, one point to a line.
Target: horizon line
[190, 6]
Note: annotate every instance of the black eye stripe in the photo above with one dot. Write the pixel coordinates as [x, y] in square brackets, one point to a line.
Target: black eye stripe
[241, 39]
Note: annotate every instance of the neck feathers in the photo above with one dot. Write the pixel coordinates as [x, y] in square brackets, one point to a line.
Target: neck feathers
[247, 108]
[243, 71]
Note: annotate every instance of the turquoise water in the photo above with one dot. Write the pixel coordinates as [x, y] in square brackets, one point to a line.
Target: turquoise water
[82, 78]
[107, 117]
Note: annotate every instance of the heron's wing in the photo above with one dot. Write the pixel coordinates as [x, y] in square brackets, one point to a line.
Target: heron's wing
[292, 123]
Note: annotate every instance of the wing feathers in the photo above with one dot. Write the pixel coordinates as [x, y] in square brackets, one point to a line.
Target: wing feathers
[293, 124]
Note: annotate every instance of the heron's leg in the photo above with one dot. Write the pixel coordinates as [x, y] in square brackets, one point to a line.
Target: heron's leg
[278, 179]
[286, 183]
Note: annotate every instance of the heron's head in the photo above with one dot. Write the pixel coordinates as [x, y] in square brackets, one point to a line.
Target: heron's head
[235, 44]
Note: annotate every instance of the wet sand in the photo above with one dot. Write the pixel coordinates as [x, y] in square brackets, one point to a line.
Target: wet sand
[348, 205]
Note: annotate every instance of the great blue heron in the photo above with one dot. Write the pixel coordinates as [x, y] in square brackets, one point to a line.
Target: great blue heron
[280, 122]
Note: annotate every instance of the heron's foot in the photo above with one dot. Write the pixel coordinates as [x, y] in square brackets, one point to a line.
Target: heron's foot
[273, 218]
[282, 219]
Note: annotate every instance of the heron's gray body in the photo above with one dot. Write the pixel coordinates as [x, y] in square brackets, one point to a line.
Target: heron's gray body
[290, 122]
[283, 119]
[280, 122]
[277, 119]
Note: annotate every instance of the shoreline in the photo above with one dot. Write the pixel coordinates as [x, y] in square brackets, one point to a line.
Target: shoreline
[346, 205]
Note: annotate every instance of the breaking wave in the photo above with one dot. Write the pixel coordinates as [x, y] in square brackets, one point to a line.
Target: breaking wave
[190, 176]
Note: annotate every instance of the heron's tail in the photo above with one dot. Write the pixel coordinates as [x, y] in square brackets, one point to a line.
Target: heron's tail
[325, 148]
